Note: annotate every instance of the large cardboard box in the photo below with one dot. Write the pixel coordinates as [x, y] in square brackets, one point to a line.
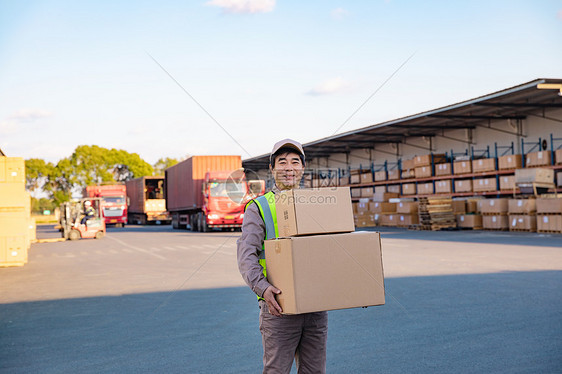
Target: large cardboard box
[443, 186]
[365, 219]
[408, 164]
[367, 177]
[494, 206]
[314, 211]
[536, 175]
[326, 272]
[496, 222]
[423, 172]
[380, 176]
[407, 207]
[381, 189]
[509, 162]
[472, 221]
[537, 159]
[507, 182]
[356, 192]
[12, 170]
[355, 177]
[409, 173]
[380, 207]
[389, 220]
[550, 223]
[13, 195]
[522, 222]
[425, 160]
[13, 250]
[394, 188]
[484, 164]
[485, 185]
[522, 206]
[405, 220]
[472, 206]
[459, 206]
[361, 207]
[464, 185]
[382, 197]
[409, 189]
[462, 167]
[558, 156]
[549, 205]
[366, 191]
[425, 188]
[393, 175]
[443, 169]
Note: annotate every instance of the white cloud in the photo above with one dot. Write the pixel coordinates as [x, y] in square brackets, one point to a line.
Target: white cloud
[339, 13]
[244, 6]
[330, 86]
[29, 115]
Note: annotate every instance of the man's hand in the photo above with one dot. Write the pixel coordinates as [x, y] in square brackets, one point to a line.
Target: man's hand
[269, 296]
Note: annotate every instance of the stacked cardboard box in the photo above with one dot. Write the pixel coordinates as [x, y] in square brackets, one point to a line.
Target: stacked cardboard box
[383, 210]
[459, 206]
[509, 162]
[394, 188]
[443, 169]
[426, 160]
[507, 182]
[426, 188]
[367, 177]
[534, 175]
[393, 174]
[407, 212]
[558, 156]
[409, 189]
[462, 167]
[494, 212]
[537, 159]
[549, 214]
[443, 186]
[318, 262]
[469, 221]
[559, 179]
[15, 213]
[367, 192]
[463, 185]
[362, 215]
[408, 169]
[485, 185]
[522, 215]
[422, 172]
[483, 165]
[380, 176]
[383, 197]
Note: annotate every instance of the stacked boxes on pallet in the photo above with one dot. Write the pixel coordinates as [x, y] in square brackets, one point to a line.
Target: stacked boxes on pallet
[16, 225]
[522, 215]
[494, 213]
[549, 214]
[534, 159]
[407, 212]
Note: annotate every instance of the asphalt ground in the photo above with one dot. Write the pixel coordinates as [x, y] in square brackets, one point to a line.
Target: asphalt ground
[148, 299]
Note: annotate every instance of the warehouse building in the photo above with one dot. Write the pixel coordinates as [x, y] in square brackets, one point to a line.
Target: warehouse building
[463, 151]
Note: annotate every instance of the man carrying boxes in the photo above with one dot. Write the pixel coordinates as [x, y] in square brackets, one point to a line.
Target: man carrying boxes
[291, 230]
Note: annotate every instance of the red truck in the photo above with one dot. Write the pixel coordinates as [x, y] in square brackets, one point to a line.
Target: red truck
[206, 192]
[114, 202]
[145, 196]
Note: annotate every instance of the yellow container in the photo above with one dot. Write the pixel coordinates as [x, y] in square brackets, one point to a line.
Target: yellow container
[12, 170]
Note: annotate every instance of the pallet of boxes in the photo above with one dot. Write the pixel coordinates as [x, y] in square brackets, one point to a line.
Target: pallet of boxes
[17, 228]
[495, 214]
[549, 214]
[318, 261]
[467, 214]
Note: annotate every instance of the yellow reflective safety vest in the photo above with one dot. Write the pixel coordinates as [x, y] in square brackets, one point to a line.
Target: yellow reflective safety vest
[266, 206]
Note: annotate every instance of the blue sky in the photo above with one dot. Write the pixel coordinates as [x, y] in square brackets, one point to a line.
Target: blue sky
[74, 73]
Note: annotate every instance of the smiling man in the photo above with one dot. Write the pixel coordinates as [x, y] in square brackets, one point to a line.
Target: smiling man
[285, 337]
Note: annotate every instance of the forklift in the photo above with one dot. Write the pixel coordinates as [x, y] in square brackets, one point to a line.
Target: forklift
[76, 224]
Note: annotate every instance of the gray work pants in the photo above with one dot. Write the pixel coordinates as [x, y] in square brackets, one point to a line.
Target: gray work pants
[301, 337]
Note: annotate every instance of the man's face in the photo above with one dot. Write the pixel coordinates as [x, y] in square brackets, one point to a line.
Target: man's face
[287, 171]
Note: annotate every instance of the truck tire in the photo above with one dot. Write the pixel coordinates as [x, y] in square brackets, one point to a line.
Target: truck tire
[203, 223]
[74, 235]
[193, 220]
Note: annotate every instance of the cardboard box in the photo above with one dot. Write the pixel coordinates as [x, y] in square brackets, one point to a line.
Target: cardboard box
[549, 205]
[494, 206]
[443, 169]
[380, 176]
[343, 181]
[13, 250]
[356, 192]
[534, 175]
[12, 170]
[483, 165]
[522, 222]
[366, 191]
[558, 156]
[425, 189]
[472, 207]
[507, 182]
[394, 188]
[472, 221]
[459, 206]
[389, 220]
[365, 220]
[496, 222]
[326, 272]
[462, 167]
[382, 197]
[367, 177]
[423, 172]
[464, 185]
[407, 207]
[409, 189]
[355, 179]
[319, 211]
[549, 223]
[425, 160]
[405, 220]
[393, 175]
[443, 186]
[408, 164]
[522, 206]
[485, 185]
[409, 173]
[559, 179]
[380, 207]
[361, 207]
[13, 195]
[537, 159]
[509, 162]
[380, 189]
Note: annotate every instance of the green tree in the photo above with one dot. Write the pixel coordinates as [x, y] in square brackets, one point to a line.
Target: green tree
[37, 172]
[162, 164]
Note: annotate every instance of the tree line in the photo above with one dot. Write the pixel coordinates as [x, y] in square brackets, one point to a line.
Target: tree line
[88, 165]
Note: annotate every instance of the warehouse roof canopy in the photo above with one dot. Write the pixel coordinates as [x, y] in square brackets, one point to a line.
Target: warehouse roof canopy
[515, 103]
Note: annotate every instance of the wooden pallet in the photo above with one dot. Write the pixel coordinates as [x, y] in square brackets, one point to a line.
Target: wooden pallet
[549, 232]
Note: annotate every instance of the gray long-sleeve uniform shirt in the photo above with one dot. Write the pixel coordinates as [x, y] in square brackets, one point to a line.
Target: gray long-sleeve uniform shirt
[249, 248]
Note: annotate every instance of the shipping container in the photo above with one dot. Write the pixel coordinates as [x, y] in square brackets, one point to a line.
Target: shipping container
[145, 197]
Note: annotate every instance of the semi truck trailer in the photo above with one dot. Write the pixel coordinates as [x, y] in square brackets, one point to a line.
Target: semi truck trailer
[145, 196]
[205, 192]
[114, 202]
